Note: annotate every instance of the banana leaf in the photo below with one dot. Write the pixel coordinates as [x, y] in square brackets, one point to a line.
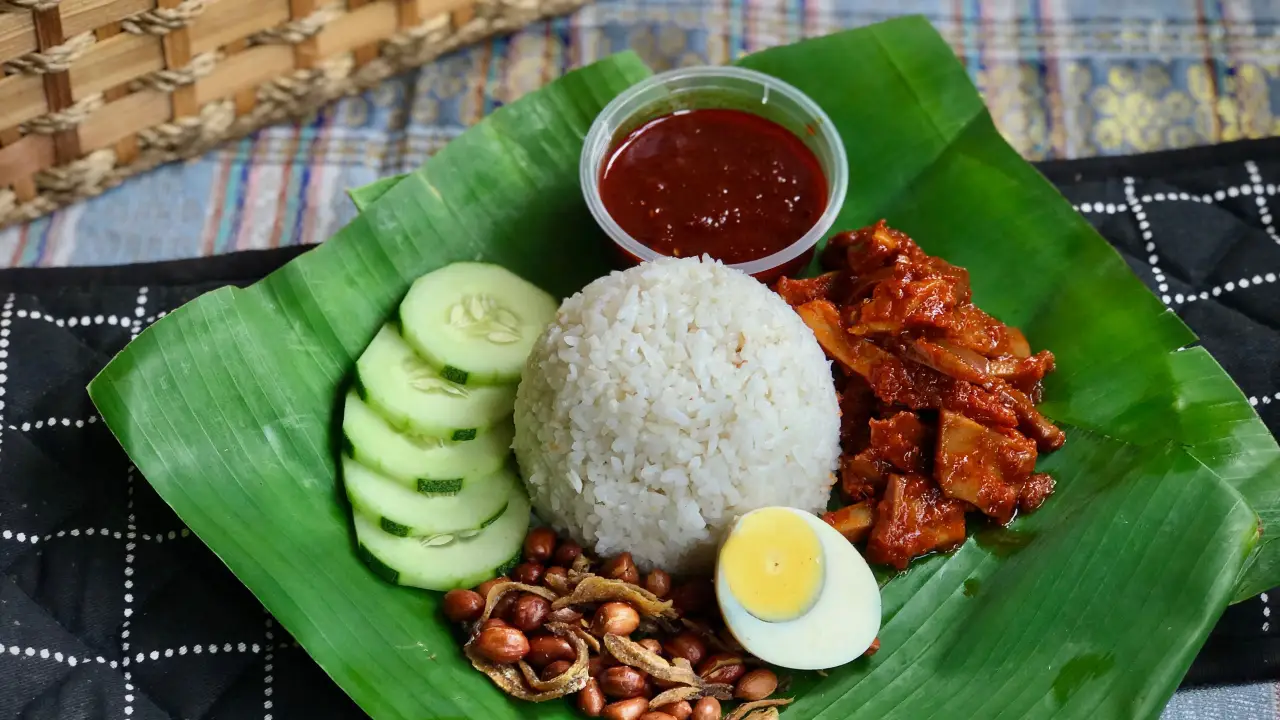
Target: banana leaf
[1093, 607]
[363, 197]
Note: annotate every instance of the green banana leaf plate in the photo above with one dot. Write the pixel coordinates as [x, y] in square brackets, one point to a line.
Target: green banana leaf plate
[1091, 608]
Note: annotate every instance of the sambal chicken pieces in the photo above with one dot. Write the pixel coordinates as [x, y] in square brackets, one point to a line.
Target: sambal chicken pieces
[902, 441]
[937, 396]
[862, 476]
[1035, 491]
[867, 250]
[913, 518]
[857, 407]
[853, 521]
[983, 466]
[897, 306]
[799, 292]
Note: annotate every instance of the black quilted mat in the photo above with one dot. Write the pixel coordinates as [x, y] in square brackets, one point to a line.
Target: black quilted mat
[110, 608]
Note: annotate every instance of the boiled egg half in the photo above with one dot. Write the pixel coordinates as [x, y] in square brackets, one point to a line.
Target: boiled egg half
[794, 592]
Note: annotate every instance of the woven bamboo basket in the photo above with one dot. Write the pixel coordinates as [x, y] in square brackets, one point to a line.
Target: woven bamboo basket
[94, 91]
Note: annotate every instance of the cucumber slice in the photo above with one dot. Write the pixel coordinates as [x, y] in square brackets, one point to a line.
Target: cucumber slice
[407, 513]
[511, 563]
[406, 391]
[476, 322]
[428, 465]
[459, 564]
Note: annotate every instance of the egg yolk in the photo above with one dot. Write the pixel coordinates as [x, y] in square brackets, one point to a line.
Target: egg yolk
[772, 562]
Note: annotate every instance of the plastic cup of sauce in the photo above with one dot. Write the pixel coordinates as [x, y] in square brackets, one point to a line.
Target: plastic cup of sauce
[721, 161]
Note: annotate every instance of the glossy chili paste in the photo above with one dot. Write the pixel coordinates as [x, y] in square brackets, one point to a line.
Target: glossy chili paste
[726, 183]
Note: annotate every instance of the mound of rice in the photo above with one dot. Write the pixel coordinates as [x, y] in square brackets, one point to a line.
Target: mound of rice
[665, 401]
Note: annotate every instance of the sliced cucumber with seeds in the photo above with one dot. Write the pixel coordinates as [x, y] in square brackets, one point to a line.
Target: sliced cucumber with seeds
[476, 322]
[407, 513]
[458, 564]
[425, 464]
[412, 396]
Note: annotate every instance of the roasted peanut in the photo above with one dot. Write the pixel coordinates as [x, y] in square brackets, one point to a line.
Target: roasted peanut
[463, 605]
[554, 570]
[529, 573]
[546, 649]
[875, 647]
[564, 615]
[493, 622]
[693, 598]
[484, 587]
[658, 582]
[631, 709]
[707, 708]
[555, 669]
[656, 715]
[591, 700]
[652, 646]
[688, 646]
[756, 685]
[622, 682]
[567, 553]
[595, 665]
[502, 644]
[680, 710]
[622, 568]
[615, 618]
[529, 612]
[539, 544]
[722, 668]
[505, 605]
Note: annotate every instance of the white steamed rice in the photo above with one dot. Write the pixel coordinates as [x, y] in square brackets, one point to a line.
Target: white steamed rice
[667, 400]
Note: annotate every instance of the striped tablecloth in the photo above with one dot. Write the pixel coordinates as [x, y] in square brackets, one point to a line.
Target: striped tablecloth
[1063, 78]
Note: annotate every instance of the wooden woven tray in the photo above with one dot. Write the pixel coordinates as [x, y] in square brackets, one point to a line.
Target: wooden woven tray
[94, 91]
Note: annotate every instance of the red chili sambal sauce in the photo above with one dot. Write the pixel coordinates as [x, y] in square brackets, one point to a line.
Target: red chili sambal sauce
[727, 183]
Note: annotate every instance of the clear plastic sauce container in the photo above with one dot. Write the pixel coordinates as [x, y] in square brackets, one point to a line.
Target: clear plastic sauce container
[675, 142]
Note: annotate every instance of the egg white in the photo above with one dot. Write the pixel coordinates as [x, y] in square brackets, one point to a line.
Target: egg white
[838, 627]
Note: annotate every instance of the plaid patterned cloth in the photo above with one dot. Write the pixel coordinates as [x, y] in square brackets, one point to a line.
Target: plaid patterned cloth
[1063, 78]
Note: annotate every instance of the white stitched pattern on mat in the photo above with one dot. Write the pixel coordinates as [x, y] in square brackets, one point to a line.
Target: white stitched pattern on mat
[76, 320]
[1137, 204]
[129, 536]
[139, 311]
[1255, 187]
[122, 321]
[1264, 210]
[35, 538]
[1265, 399]
[6, 319]
[1099, 208]
[268, 666]
[46, 654]
[1241, 284]
[73, 660]
[1148, 239]
[54, 422]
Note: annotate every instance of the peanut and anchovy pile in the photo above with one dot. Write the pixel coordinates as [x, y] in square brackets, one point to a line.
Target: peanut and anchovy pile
[629, 647]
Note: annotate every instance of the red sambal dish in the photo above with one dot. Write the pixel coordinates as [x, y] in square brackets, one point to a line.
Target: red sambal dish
[726, 183]
[938, 398]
